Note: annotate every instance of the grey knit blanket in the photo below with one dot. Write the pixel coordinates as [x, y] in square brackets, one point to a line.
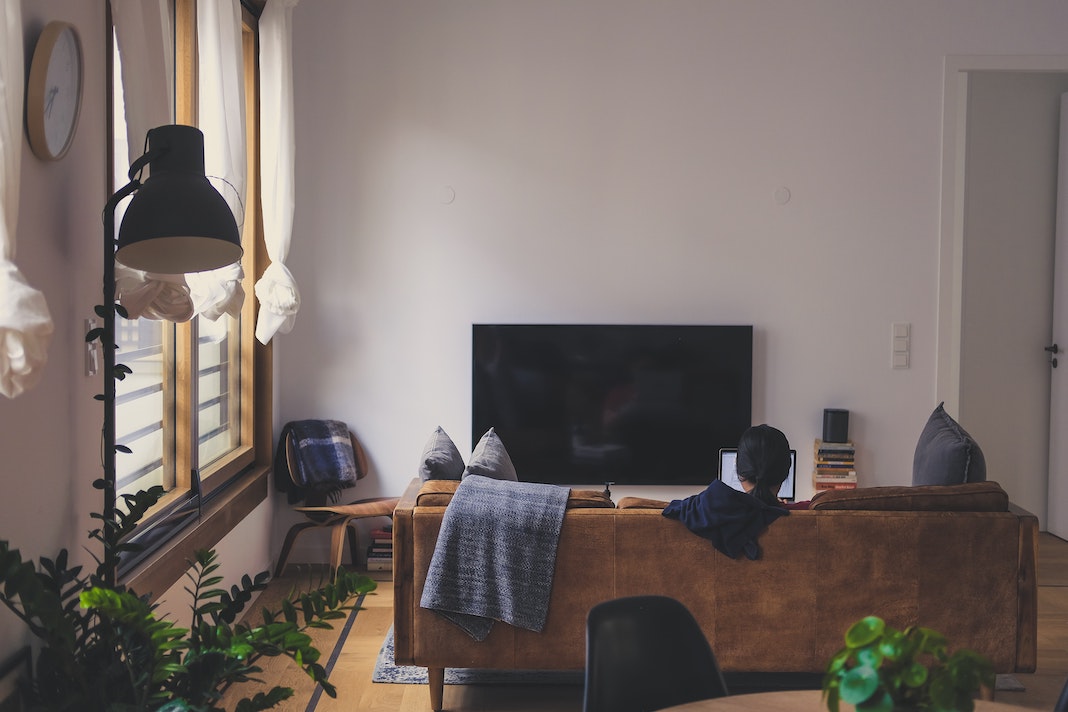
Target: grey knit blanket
[495, 555]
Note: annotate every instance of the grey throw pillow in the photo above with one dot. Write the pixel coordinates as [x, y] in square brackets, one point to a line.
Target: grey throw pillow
[441, 459]
[946, 454]
[490, 459]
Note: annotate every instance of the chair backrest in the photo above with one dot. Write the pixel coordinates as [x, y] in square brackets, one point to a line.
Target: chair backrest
[1062, 701]
[291, 463]
[645, 653]
[357, 451]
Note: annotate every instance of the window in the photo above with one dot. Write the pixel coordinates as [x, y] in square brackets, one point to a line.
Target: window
[189, 410]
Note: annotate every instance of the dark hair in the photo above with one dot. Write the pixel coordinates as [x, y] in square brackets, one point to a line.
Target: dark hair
[764, 461]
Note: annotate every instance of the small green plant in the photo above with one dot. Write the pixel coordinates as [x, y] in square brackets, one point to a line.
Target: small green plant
[103, 647]
[882, 669]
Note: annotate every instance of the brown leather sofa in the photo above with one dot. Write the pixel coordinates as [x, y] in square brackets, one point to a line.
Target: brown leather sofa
[959, 559]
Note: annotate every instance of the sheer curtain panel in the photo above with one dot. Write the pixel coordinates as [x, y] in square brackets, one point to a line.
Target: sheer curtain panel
[276, 289]
[25, 322]
[144, 36]
[221, 102]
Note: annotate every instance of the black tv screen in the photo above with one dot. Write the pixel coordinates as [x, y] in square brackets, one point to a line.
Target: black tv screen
[630, 404]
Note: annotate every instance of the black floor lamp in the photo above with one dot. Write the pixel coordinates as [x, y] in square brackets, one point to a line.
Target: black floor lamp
[176, 223]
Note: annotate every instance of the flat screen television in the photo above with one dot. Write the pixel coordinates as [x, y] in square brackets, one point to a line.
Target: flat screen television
[629, 404]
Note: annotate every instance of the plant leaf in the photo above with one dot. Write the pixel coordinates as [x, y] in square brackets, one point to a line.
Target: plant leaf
[865, 631]
[859, 684]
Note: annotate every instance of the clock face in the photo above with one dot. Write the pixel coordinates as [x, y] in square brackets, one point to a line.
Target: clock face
[61, 94]
[54, 91]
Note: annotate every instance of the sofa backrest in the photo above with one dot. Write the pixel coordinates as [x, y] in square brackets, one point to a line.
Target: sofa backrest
[968, 497]
[438, 493]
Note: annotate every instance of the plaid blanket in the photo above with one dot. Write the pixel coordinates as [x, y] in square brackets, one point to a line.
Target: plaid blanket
[325, 462]
[495, 555]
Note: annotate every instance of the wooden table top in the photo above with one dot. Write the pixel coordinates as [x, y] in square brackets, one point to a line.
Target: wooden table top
[799, 700]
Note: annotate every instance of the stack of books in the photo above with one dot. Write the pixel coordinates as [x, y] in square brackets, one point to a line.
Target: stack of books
[380, 552]
[836, 466]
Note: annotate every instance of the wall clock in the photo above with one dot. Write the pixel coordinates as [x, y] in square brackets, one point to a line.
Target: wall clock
[54, 91]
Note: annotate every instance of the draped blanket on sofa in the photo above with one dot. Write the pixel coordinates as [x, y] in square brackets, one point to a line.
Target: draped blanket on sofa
[495, 555]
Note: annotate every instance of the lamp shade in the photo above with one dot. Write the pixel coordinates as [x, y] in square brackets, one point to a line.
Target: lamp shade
[177, 222]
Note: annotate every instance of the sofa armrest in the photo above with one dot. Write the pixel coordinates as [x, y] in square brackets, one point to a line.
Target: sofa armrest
[1027, 583]
[404, 573]
[410, 497]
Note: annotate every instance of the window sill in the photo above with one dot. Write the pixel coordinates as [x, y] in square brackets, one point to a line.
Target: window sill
[167, 566]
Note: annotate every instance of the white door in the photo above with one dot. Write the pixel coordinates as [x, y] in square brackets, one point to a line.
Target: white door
[1017, 411]
[1010, 220]
[1057, 505]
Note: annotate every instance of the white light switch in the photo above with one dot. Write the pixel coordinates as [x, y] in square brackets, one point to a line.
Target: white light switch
[900, 344]
[92, 353]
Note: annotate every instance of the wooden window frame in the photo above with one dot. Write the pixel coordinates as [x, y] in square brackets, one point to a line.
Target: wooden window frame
[237, 486]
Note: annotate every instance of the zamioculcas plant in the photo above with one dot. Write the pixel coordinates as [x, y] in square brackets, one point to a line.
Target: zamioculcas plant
[103, 647]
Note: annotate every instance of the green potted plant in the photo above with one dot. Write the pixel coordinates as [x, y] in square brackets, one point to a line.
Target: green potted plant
[882, 669]
[103, 647]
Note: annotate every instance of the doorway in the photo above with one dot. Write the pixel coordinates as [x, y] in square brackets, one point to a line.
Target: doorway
[996, 291]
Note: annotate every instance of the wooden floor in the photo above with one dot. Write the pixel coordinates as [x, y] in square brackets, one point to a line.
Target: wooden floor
[351, 672]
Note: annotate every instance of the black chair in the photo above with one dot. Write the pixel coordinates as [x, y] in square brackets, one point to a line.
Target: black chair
[645, 653]
[1062, 701]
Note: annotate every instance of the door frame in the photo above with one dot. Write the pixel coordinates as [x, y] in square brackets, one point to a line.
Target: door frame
[951, 242]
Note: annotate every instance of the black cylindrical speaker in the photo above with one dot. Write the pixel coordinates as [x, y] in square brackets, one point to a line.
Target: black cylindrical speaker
[835, 425]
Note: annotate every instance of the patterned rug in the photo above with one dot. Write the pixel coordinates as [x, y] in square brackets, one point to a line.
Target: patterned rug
[387, 671]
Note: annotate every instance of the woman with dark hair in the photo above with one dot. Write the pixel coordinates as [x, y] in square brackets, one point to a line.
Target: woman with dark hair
[733, 520]
[763, 462]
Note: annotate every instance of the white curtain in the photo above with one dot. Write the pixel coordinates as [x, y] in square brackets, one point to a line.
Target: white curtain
[276, 289]
[221, 104]
[144, 36]
[25, 322]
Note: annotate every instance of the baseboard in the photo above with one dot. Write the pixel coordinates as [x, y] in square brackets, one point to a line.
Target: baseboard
[740, 683]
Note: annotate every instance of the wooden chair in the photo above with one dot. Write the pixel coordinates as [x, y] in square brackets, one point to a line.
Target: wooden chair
[340, 519]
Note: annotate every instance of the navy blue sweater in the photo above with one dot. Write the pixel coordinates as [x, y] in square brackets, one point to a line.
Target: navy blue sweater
[730, 519]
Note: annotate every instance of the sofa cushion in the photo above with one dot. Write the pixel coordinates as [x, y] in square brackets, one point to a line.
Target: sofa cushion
[438, 493]
[968, 497]
[641, 503]
[586, 499]
[490, 459]
[946, 454]
[441, 460]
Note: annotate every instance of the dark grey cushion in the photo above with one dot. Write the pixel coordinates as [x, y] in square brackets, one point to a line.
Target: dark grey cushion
[441, 459]
[490, 459]
[946, 454]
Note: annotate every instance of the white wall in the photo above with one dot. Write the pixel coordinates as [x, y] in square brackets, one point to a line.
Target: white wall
[50, 435]
[618, 161]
